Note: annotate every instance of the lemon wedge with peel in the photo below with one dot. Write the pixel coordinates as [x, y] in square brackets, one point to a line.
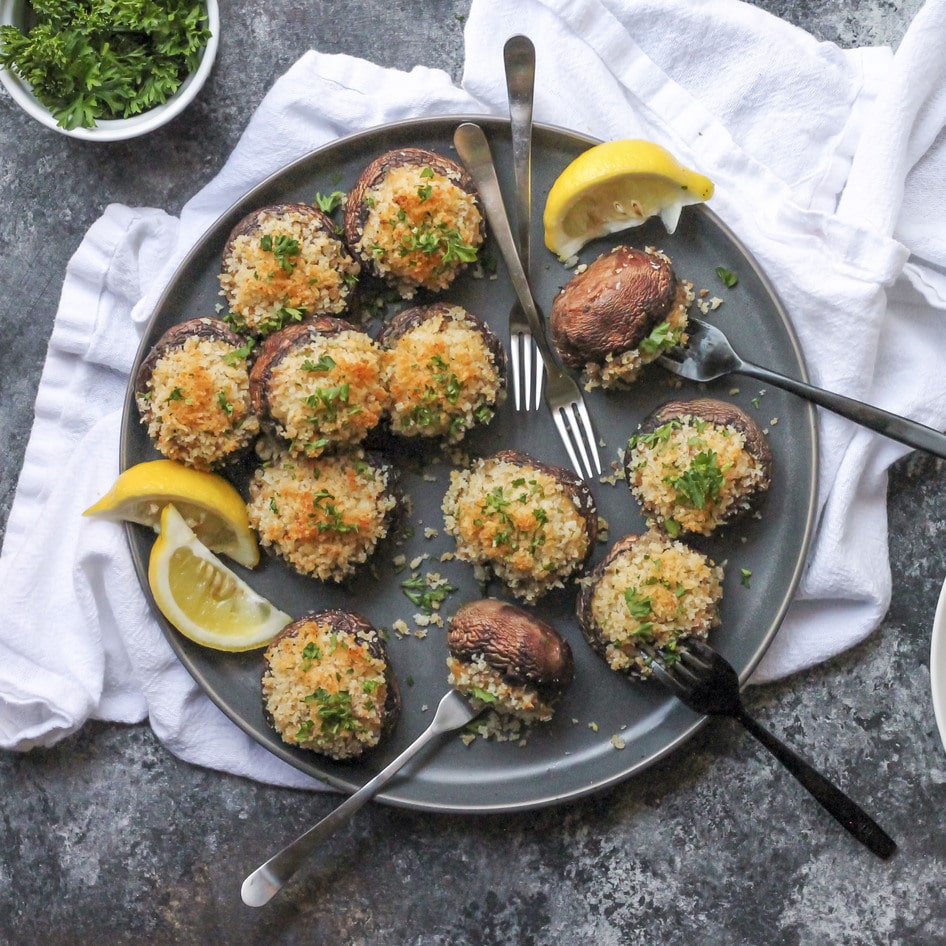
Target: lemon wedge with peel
[201, 597]
[614, 186]
[210, 505]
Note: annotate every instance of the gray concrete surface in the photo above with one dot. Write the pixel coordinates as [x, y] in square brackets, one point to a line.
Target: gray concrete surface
[109, 839]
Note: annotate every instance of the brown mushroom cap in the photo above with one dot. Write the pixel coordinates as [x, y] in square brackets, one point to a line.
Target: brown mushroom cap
[175, 337]
[523, 649]
[613, 305]
[351, 625]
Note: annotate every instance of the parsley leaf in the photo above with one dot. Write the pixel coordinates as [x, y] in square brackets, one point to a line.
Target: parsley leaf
[103, 59]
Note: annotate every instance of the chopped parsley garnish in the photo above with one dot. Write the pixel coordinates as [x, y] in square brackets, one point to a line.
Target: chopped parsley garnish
[239, 354]
[702, 482]
[484, 696]
[335, 710]
[425, 592]
[327, 400]
[333, 520]
[660, 338]
[728, 277]
[310, 652]
[325, 363]
[328, 202]
[745, 577]
[103, 59]
[176, 395]
[224, 404]
[283, 247]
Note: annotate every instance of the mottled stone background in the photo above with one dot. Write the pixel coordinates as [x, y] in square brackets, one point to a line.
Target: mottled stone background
[108, 839]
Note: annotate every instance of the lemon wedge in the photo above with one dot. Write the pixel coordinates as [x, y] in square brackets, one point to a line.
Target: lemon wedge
[210, 505]
[615, 186]
[201, 597]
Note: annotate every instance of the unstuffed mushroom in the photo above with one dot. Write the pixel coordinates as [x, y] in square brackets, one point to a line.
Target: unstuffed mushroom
[618, 314]
[697, 465]
[510, 661]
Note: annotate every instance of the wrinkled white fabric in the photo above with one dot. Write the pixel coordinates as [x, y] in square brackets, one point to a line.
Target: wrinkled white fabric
[788, 129]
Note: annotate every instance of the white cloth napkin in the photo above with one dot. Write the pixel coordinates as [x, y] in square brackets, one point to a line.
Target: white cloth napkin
[778, 120]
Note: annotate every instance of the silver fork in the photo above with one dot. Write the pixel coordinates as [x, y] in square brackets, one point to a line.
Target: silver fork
[453, 712]
[708, 355]
[707, 683]
[519, 60]
[562, 394]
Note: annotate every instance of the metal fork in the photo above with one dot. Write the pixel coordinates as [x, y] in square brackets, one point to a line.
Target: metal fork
[562, 394]
[707, 683]
[709, 355]
[453, 712]
[519, 60]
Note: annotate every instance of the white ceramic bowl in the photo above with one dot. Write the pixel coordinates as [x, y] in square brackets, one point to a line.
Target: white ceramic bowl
[938, 665]
[11, 12]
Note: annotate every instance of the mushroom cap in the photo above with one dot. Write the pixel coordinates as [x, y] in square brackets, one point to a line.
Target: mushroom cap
[612, 305]
[521, 647]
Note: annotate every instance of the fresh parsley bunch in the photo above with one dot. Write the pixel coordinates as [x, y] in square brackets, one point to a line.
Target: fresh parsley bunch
[93, 59]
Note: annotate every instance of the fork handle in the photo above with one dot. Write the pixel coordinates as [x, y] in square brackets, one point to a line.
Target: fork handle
[473, 149]
[890, 425]
[846, 812]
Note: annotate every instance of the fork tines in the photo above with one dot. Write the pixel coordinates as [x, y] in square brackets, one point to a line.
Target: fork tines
[526, 371]
[577, 433]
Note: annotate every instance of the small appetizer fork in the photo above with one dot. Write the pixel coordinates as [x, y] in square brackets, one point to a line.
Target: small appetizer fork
[562, 394]
[519, 60]
[708, 355]
[707, 683]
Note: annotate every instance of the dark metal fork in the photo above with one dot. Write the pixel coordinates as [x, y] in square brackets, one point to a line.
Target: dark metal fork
[707, 683]
[708, 355]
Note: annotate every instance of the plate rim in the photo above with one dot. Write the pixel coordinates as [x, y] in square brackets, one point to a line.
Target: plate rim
[547, 799]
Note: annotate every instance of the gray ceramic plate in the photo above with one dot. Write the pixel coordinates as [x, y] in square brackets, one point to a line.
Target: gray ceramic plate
[576, 753]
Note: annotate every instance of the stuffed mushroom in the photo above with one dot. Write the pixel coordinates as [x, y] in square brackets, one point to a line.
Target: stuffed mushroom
[649, 589]
[285, 263]
[327, 685]
[324, 517]
[444, 370]
[618, 314]
[318, 386]
[697, 465]
[530, 524]
[413, 220]
[192, 393]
